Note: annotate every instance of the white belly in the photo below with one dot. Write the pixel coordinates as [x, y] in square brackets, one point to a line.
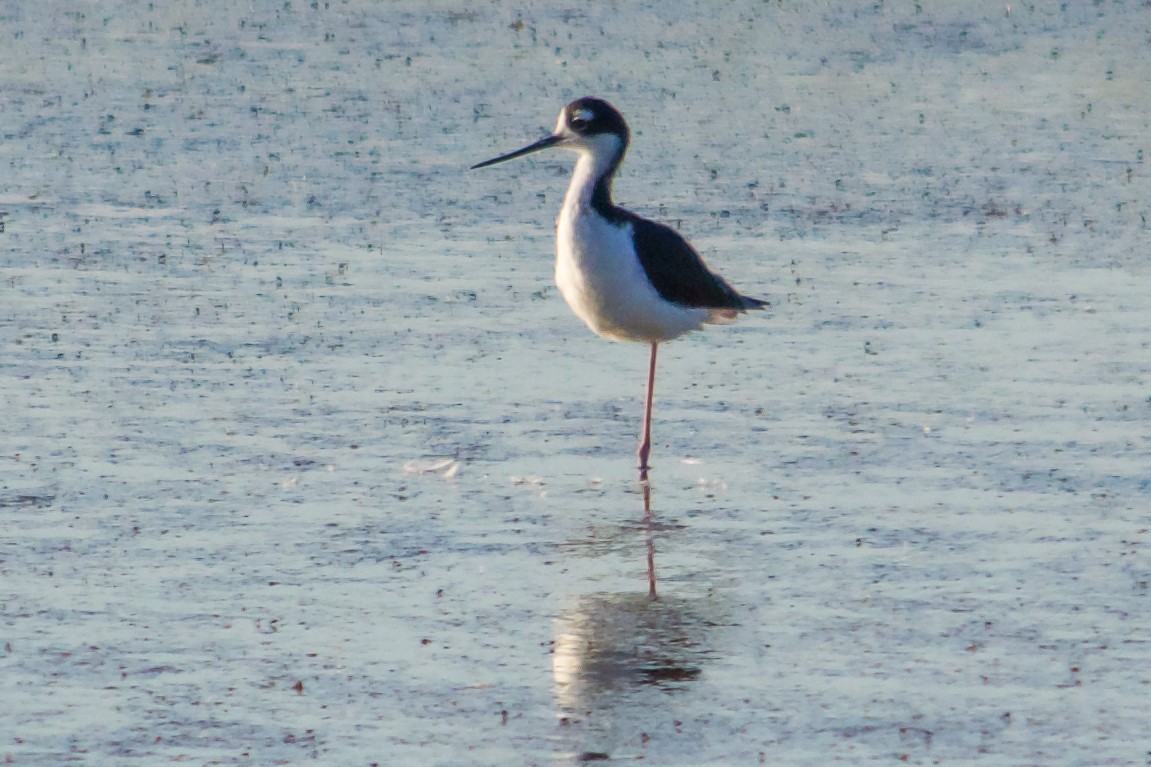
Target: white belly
[602, 281]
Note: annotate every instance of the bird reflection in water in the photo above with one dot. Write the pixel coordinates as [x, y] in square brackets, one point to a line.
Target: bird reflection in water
[617, 656]
[608, 644]
[620, 661]
[620, 666]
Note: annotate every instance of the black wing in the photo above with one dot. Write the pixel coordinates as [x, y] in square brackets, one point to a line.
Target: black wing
[679, 274]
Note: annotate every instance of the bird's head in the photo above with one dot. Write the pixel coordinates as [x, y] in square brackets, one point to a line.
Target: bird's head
[588, 126]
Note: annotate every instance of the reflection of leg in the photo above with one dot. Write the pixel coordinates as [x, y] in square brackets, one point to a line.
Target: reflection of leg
[651, 567]
[645, 488]
[645, 439]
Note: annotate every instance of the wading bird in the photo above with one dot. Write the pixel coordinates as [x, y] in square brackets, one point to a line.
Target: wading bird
[627, 278]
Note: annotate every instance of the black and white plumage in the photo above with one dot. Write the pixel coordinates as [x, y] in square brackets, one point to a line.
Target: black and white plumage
[627, 278]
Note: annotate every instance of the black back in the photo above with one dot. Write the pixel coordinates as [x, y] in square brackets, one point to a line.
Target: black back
[678, 273]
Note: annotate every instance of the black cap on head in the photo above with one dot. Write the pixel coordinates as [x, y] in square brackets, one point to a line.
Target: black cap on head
[590, 116]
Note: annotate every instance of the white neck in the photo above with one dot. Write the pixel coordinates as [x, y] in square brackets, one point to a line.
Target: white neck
[582, 182]
[594, 161]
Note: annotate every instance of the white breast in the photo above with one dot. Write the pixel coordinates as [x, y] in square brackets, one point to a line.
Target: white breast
[601, 279]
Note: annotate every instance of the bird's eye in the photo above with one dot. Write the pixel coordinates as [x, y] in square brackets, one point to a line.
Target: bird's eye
[581, 119]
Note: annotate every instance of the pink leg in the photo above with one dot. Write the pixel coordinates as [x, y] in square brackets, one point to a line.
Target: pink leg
[644, 453]
[645, 439]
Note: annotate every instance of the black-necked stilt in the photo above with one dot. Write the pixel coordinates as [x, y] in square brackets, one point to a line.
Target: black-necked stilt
[627, 278]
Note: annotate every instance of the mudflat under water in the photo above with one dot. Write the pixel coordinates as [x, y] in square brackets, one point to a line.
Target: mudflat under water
[304, 459]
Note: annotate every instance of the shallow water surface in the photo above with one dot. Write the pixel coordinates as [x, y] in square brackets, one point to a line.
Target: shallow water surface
[304, 459]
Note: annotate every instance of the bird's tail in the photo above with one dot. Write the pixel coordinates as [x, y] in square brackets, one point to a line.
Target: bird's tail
[727, 316]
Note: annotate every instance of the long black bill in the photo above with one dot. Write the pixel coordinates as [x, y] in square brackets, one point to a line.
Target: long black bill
[543, 143]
